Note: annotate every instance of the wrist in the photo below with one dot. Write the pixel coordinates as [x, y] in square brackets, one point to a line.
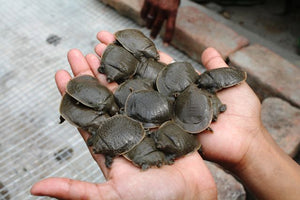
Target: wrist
[267, 171]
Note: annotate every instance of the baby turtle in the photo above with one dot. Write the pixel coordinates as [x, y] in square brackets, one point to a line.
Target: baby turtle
[126, 88]
[88, 91]
[117, 64]
[217, 105]
[149, 70]
[174, 78]
[137, 43]
[217, 79]
[116, 136]
[145, 155]
[173, 99]
[174, 141]
[193, 110]
[80, 115]
[149, 107]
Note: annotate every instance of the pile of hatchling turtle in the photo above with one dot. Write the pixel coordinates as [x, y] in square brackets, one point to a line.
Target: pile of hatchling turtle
[156, 112]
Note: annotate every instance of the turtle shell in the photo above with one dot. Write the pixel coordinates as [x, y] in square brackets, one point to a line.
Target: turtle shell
[88, 91]
[220, 78]
[193, 110]
[80, 115]
[117, 135]
[149, 107]
[149, 70]
[174, 78]
[117, 63]
[172, 139]
[137, 43]
[125, 89]
[217, 105]
[145, 154]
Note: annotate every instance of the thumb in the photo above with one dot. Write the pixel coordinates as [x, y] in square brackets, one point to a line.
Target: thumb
[64, 188]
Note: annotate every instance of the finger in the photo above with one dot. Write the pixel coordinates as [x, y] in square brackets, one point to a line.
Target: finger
[100, 48]
[157, 24]
[64, 188]
[165, 58]
[151, 16]
[94, 63]
[205, 182]
[145, 9]
[170, 27]
[106, 37]
[62, 77]
[99, 158]
[78, 63]
[212, 59]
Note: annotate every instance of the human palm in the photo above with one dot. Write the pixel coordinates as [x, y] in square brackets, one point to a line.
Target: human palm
[187, 178]
[237, 126]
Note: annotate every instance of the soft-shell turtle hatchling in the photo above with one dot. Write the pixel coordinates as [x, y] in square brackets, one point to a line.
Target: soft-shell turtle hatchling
[88, 91]
[149, 69]
[137, 43]
[193, 110]
[174, 141]
[145, 155]
[116, 136]
[129, 86]
[177, 101]
[117, 63]
[149, 107]
[174, 78]
[80, 115]
[220, 78]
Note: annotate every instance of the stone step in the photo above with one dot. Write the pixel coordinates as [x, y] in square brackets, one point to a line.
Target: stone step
[283, 122]
[268, 73]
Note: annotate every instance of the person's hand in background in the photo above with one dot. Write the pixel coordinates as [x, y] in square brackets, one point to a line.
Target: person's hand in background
[155, 12]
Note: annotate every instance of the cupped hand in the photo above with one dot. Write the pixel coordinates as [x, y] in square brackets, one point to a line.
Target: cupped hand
[155, 12]
[237, 128]
[187, 178]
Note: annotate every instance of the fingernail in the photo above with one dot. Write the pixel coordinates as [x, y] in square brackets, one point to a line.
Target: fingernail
[166, 44]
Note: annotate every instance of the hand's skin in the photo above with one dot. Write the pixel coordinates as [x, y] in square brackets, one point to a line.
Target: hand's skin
[155, 12]
[187, 178]
[241, 144]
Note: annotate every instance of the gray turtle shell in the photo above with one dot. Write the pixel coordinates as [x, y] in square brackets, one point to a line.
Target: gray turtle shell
[149, 70]
[174, 78]
[220, 78]
[117, 63]
[217, 105]
[193, 110]
[149, 107]
[137, 43]
[117, 135]
[145, 154]
[125, 89]
[172, 139]
[80, 115]
[88, 91]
